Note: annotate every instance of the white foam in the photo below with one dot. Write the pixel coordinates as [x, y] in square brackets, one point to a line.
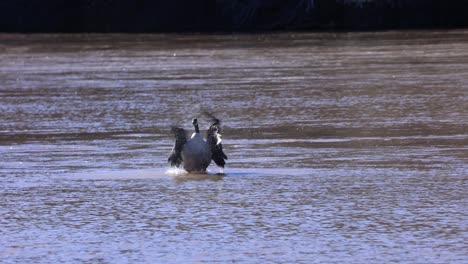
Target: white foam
[174, 171]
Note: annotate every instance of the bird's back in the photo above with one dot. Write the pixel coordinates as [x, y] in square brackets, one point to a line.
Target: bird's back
[196, 154]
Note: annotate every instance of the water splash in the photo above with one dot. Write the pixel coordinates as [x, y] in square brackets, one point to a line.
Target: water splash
[174, 171]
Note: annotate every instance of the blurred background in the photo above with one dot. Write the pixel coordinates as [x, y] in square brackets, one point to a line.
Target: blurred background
[228, 15]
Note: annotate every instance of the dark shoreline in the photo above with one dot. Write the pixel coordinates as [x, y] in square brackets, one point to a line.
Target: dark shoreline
[147, 16]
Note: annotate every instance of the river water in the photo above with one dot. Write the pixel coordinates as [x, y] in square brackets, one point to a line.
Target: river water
[343, 148]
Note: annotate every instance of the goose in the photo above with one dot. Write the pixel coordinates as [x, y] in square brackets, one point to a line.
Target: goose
[196, 153]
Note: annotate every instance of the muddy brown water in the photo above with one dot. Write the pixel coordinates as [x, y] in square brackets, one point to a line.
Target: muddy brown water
[343, 148]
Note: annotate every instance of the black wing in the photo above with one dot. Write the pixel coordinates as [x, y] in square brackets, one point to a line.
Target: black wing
[180, 138]
[213, 138]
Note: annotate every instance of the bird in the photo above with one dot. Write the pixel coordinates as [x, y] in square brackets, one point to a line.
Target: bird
[197, 153]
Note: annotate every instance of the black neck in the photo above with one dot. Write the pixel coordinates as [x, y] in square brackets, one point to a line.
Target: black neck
[197, 130]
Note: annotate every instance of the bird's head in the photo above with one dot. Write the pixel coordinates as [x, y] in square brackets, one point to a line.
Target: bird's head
[195, 124]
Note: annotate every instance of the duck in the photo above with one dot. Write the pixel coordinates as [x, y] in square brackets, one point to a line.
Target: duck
[197, 153]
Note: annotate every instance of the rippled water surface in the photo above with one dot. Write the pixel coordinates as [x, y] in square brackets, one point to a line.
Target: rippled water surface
[343, 148]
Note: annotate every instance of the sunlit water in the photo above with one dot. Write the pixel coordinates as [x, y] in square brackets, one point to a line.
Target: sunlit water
[343, 148]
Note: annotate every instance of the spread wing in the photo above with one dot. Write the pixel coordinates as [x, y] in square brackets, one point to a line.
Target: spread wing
[180, 139]
[213, 138]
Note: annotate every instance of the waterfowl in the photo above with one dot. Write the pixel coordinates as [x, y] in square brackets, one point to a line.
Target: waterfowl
[197, 153]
